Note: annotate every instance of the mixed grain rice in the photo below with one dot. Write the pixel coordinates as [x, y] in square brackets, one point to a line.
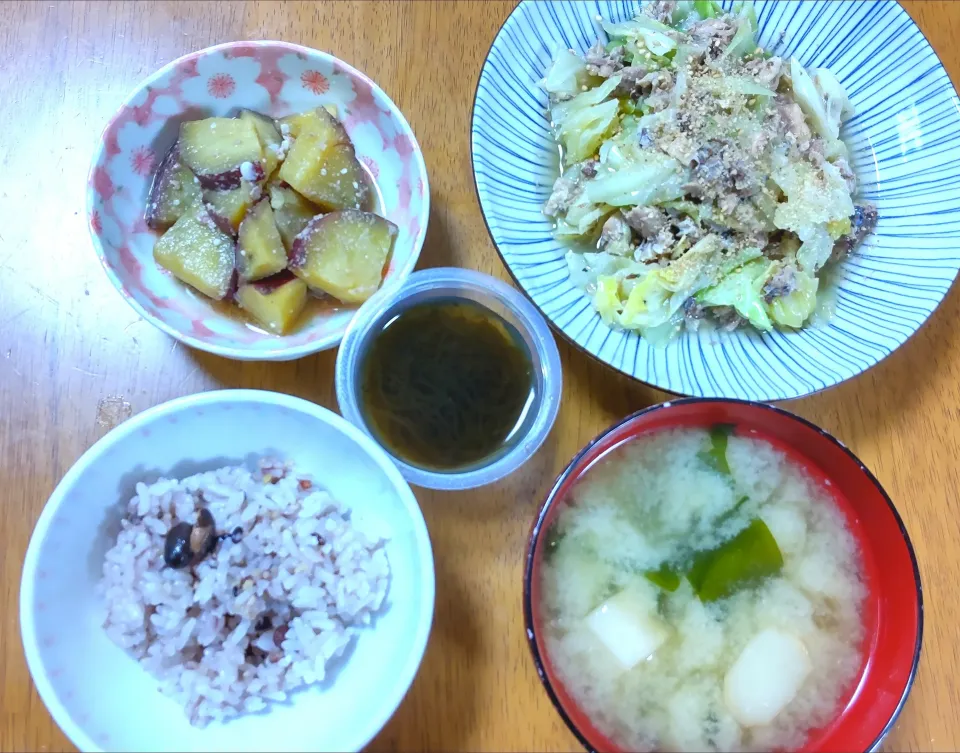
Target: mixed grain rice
[264, 613]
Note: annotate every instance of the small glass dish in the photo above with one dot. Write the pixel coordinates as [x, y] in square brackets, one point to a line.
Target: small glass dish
[445, 283]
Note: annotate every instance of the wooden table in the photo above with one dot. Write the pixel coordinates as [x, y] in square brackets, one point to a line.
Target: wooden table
[75, 359]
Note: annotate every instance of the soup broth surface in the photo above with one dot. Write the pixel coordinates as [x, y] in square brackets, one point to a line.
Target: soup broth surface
[725, 562]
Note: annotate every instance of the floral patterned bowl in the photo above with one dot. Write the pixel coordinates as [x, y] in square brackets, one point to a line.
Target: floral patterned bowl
[275, 78]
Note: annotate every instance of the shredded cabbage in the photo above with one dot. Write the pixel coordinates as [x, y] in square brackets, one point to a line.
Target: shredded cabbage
[725, 197]
[734, 261]
[694, 270]
[657, 297]
[581, 224]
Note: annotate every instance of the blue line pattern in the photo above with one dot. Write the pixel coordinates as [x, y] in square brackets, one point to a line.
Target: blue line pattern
[905, 145]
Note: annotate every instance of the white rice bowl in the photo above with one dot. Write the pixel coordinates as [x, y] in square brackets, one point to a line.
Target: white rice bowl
[105, 699]
[264, 612]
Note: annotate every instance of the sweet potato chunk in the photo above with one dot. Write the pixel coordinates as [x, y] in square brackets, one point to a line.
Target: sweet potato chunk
[270, 140]
[344, 254]
[222, 151]
[198, 253]
[291, 212]
[260, 251]
[175, 191]
[329, 175]
[322, 164]
[275, 302]
[345, 184]
[321, 120]
[228, 208]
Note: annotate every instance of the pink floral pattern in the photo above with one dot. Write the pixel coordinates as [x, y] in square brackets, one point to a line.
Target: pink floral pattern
[221, 86]
[371, 166]
[276, 78]
[315, 82]
[141, 162]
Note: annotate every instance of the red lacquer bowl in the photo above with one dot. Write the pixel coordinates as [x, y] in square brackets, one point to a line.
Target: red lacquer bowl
[893, 610]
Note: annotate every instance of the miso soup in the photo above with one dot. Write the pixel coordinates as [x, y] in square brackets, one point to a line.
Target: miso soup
[702, 592]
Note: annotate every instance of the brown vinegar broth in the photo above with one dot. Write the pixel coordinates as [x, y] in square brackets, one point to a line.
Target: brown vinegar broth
[446, 384]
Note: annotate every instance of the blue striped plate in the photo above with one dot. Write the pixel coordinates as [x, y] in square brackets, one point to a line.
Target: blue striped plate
[905, 144]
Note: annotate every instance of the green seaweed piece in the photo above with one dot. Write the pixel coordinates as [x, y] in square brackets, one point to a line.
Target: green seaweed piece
[750, 556]
[554, 537]
[662, 603]
[731, 512]
[664, 577]
[716, 456]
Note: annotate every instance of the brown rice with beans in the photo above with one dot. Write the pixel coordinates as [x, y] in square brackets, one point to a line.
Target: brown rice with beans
[266, 585]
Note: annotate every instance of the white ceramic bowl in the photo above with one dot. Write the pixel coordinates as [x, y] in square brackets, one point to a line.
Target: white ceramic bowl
[275, 78]
[101, 698]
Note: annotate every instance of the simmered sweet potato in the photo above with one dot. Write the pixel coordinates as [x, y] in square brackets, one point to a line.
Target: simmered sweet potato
[270, 140]
[174, 192]
[291, 212]
[228, 208]
[198, 253]
[222, 151]
[275, 302]
[305, 121]
[260, 251]
[322, 164]
[329, 176]
[344, 254]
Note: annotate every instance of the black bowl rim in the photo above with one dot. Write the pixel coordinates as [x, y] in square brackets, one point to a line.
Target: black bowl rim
[577, 346]
[551, 498]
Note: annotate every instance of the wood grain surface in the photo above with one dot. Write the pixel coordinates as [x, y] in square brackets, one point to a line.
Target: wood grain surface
[75, 359]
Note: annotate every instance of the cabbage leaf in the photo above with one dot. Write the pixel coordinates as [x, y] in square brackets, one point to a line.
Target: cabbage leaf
[743, 42]
[584, 121]
[814, 197]
[816, 248]
[743, 290]
[794, 309]
[565, 75]
[583, 131]
[654, 35]
[652, 178]
[822, 99]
